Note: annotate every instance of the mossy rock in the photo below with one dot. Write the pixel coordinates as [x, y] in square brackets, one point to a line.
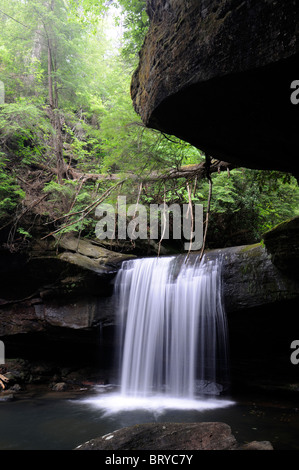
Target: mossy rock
[288, 227]
[282, 243]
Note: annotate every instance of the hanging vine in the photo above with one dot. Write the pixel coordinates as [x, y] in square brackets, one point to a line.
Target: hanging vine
[208, 175]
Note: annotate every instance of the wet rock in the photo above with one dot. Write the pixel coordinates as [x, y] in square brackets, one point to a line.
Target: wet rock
[170, 436]
[72, 269]
[71, 289]
[250, 279]
[59, 387]
[17, 371]
[6, 396]
[283, 246]
[90, 255]
[15, 388]
[256, 445]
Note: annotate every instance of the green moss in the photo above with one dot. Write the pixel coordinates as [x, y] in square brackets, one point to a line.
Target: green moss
[285, 226]
[253, 247]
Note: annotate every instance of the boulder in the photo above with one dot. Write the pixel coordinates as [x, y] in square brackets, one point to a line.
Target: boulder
[170, 436]
[57, 269]
[55, 301]
[6, 396]
[257, 445]
[59, 387]
[70, 288]
[88, 254]
[218, 74]
[282, 243]
[250, 279]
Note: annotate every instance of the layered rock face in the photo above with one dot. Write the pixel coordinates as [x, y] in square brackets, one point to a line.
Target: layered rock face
[55, 300]
[59, 305]
[67, 285]
[282, 244]
[218, 74]
[73, 290]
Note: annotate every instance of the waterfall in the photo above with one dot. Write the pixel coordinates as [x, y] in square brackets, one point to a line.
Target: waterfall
[173, 331]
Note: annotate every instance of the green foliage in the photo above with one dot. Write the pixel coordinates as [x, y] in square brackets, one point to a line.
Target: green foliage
[24, 232]
[248, 203]
[126, 143]
[130, 15]
[10, 192]
[87, 11]
[135, 23]
[69, 200]
[25, 127]
[60, 195]
[91, 69]
[22, 119]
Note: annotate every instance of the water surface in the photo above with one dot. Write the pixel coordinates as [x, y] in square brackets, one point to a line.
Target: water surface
[60, 422]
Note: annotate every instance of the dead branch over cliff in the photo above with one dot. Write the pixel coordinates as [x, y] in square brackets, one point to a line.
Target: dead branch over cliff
[189, 172]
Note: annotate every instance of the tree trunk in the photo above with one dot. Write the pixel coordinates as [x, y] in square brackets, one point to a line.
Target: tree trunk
[57, 142]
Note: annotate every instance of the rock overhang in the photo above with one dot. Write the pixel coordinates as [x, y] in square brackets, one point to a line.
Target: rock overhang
[219, 75]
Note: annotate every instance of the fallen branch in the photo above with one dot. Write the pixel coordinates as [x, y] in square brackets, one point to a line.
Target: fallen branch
[188, 171]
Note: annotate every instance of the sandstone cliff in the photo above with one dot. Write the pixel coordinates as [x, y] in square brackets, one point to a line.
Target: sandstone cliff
[218, 73]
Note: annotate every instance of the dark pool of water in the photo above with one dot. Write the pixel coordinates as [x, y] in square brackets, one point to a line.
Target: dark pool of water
[62, 422]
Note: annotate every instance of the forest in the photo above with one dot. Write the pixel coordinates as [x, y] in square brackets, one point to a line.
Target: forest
[70, 138]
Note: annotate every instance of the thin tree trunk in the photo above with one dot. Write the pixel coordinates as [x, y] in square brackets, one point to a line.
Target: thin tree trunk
[50, 83]
[54, 112]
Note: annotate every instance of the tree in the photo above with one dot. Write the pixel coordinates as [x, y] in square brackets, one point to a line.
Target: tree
[70, 137]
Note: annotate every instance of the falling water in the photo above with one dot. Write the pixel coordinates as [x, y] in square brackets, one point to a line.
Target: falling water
[172, 326]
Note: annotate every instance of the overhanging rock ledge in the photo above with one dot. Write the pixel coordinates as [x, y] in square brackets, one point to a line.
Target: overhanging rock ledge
[218, 74]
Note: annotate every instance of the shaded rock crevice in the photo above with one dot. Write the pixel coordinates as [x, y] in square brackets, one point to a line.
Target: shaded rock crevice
[282, 244]
[67, 286]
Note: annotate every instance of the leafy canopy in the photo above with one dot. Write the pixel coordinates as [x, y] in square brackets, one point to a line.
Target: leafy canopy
[94, 45]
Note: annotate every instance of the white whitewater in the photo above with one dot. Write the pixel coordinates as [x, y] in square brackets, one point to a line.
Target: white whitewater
[173, 337]
[173, 327]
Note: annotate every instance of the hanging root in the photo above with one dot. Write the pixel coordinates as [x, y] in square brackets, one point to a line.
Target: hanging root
[208, 174]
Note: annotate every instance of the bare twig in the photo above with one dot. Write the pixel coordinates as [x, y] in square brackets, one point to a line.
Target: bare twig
[164, 224]
[85, 212]
[207, 218]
